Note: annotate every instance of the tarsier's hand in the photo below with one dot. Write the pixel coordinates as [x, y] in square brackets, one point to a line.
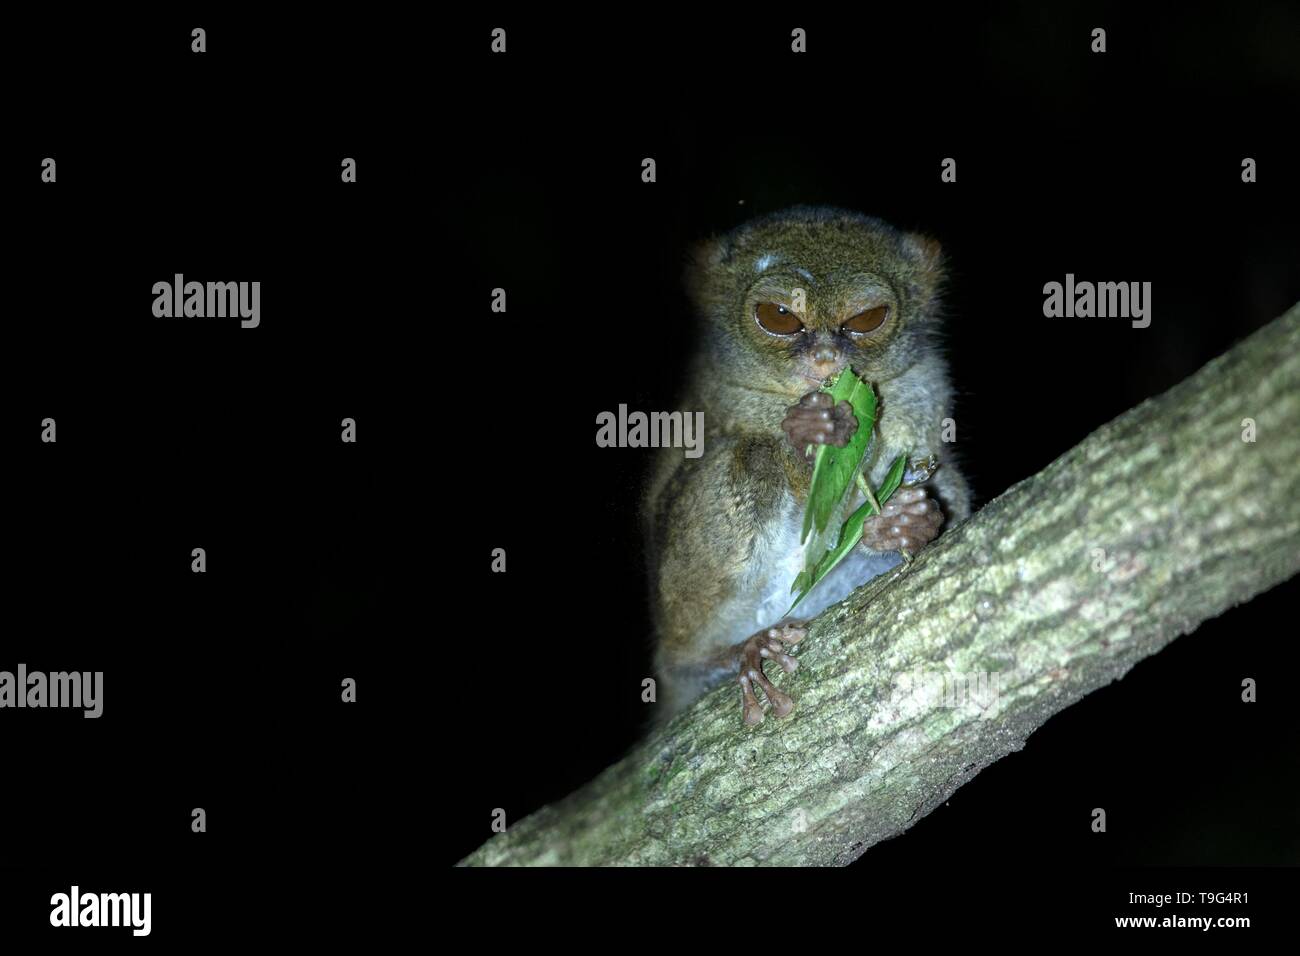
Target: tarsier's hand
[818, 420]
[909, 521]
[767, 645]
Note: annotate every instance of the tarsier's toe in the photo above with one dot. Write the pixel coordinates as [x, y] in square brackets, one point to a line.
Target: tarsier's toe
[788, 633]
[781, 702]
[774, 650]
[752, 709]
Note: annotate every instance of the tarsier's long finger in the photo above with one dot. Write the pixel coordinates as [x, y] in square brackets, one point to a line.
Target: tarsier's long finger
[781, 703]
[788, 633]
[905, 497]
[749, 704]
[905, 525]
[775, 651]
[820, 423]
[903, 539]
[902, 523]
[816, 423]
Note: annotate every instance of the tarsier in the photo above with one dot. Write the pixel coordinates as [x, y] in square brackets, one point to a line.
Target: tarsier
[788, 300]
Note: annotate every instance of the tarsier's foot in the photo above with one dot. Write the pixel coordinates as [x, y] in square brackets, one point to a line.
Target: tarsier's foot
[818, 420]
[767, 645]
[908, 522]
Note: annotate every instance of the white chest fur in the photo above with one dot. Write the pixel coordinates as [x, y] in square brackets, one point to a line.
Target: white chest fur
[765, 592]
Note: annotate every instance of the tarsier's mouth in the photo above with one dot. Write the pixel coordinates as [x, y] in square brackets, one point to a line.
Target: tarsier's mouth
[820, 379]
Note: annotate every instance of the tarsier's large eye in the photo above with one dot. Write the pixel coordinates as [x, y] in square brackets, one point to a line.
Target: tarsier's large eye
[867, 321]
[777, 319]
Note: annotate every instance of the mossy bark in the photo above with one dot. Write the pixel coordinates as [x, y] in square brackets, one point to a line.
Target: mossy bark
[1161, 519]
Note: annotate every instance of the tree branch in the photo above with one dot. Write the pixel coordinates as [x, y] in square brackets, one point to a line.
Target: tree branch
[1017, 610]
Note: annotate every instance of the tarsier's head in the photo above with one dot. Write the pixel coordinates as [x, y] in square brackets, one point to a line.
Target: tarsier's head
[797, 295]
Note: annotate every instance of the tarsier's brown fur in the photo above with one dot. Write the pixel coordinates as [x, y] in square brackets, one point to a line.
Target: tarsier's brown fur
[719, 526]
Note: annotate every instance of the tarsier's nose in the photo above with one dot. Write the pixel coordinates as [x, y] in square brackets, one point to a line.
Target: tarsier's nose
[826, 353]
[827, 360]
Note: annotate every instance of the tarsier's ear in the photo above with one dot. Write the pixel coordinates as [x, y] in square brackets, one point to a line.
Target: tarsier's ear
[703, 268]
[927, 255]
[926, 252]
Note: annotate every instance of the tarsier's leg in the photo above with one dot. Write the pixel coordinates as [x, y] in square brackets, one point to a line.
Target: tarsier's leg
[748, 658]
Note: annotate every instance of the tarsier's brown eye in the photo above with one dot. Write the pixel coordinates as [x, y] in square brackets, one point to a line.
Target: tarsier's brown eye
[868, 321]
[777, 319]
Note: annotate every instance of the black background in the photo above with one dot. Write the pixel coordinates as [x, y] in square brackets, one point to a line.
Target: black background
[523, 172]
[1124, 165]
[221, 690]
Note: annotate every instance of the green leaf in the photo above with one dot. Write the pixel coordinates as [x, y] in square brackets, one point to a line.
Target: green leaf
[834, 472]
[850, 534]
[834, 468]
[802, 582]
[893, 479]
